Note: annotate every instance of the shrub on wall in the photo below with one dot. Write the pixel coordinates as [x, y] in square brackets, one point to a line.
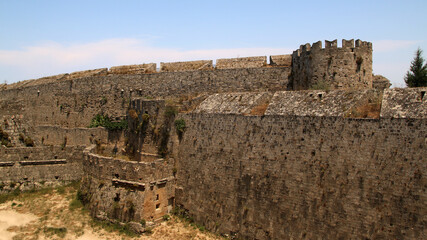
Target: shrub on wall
[4, 138]
[104, 121]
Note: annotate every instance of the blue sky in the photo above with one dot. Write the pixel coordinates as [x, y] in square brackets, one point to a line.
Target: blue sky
[41, 38]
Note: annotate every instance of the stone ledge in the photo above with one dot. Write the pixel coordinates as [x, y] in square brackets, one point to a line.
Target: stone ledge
[43, 162]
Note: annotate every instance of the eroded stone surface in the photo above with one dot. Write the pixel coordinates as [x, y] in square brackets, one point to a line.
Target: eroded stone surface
[404, 103]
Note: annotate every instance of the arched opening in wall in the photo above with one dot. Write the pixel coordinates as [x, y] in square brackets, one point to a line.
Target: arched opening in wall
[422, 94]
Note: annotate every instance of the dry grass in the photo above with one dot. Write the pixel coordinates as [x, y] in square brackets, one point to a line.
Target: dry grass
[369, 109]
[259, 110]
[133, 114]
[60, 217]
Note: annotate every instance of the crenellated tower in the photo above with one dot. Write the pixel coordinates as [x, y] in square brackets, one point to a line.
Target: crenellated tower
[349, 66]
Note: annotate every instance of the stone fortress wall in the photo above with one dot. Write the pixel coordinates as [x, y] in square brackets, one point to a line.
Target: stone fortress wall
[31, 168]
[255, 161]
[349, 66]
[123, 190]
[309, 173]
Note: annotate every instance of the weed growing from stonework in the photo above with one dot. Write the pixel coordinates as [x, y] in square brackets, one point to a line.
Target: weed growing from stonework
[180, 127]
[170, 111]
[104, 121]
[5, 139]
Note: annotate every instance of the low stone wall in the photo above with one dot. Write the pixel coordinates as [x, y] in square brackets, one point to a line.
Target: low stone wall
[186, 66]
[38, 167]
[127, 191]
[244, 62]
[134, 69]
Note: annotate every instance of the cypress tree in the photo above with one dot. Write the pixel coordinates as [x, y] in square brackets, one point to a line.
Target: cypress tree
[417, 74]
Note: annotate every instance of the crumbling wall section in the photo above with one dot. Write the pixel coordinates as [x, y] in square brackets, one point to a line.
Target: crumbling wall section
[127, 190]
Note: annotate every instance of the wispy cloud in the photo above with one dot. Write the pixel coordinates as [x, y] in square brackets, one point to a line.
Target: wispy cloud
[54, 58]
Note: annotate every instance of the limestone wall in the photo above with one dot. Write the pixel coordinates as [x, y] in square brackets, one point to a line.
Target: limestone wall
[186, 66]
[235, 103]
[54, 135]
[244, 62]
[127, 190]
[282, 177]
[350, 66]
[28, 168]
[73, 103]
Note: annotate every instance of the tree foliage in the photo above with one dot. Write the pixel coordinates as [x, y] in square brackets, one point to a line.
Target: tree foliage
[417, 74]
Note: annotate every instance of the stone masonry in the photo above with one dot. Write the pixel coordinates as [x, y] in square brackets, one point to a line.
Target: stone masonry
[341, 158]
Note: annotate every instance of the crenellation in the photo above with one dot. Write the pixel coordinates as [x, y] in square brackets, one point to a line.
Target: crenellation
[244, 62]
[186, 66]
[348, 43]
[331, 44]
[317, 46]
[134, 69]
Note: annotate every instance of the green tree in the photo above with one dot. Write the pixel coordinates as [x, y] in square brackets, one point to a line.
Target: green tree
[417, 74]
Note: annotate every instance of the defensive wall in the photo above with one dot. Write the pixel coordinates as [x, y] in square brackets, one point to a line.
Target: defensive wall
[349, 66]
[307, 175]
[38, 167]
[252, 161]
[127, 191]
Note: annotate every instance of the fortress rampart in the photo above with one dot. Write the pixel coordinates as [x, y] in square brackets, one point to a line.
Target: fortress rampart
[122, 190]
[38, 167]
[246, 158]
[347, 67]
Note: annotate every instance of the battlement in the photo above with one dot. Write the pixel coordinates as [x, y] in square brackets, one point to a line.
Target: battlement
[345, 66]
[186, 66]
[348, 66]
[348, 45]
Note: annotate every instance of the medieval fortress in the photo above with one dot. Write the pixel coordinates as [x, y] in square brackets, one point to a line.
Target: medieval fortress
[310, 145]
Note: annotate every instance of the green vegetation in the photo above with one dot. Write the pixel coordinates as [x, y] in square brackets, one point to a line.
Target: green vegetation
[170, 111]
[320, 85]
[26, 140]
[417, 74]
[5, 139]
[180, 125]
[60, 232]
[111, 227]
[104, 121]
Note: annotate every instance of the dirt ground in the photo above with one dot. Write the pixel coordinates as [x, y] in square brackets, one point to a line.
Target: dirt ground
[55, 214]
